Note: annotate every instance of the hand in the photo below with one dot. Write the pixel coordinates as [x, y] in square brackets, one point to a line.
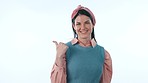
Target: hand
[61, 49]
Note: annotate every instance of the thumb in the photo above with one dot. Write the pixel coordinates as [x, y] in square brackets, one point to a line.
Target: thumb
[55, 42]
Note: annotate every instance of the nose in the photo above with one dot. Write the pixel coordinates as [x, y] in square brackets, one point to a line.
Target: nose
[83, 26]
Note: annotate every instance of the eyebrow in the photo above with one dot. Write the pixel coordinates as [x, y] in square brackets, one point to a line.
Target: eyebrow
[84, 21]
[87, 20]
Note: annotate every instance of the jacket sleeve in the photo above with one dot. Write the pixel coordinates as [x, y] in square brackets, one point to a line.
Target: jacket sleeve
[58, 74]
[107, 69]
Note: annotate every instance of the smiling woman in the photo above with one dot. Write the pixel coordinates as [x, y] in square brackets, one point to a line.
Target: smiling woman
[82, 60]
[83, 27]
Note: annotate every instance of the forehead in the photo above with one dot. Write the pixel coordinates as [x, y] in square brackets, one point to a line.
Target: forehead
[82, 18]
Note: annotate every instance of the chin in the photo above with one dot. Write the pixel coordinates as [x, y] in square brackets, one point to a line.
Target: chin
[84, 37]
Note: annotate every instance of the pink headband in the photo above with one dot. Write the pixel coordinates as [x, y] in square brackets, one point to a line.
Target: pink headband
[74, 13]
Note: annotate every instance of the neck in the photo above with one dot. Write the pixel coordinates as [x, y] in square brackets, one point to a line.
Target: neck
[84, 42]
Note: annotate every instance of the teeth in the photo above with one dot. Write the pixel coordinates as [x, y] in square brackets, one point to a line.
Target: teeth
[83, 31]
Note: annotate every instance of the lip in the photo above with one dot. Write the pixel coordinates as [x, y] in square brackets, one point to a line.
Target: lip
[83, 32]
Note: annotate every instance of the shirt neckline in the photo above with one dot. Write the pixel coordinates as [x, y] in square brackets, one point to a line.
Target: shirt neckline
[75, 41]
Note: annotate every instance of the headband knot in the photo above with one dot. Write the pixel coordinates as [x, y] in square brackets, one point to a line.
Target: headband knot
[74, 13]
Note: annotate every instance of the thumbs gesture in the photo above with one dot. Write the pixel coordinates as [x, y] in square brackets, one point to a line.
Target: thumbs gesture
[61, 49]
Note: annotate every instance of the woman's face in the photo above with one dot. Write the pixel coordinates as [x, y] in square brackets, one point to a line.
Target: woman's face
[83, 27]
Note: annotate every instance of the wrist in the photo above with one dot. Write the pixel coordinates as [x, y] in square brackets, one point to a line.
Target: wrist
[59, 61]
[59, 55]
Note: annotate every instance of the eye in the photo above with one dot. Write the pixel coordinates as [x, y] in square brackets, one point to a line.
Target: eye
[78, 23]
[87, 22]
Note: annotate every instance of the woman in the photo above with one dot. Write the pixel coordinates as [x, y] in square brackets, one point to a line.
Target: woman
[82, 60]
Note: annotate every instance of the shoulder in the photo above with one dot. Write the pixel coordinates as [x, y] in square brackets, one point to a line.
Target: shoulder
[68, 43]
[100, 47]
[104, 51]
[107, 55]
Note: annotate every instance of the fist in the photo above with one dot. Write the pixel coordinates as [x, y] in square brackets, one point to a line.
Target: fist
[61, 49]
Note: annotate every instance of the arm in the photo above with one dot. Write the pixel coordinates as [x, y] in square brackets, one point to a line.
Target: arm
[58, 73]
[107, 69]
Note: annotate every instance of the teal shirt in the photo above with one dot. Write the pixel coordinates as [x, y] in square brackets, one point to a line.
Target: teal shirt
[84, 64]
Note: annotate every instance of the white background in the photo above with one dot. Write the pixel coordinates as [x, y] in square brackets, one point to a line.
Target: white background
[28, 27]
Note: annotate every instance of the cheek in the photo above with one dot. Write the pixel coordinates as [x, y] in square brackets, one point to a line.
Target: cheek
[76, 29]
[90, 28]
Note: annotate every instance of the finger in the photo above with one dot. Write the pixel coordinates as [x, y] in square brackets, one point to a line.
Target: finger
[61, 43]
[55, 43]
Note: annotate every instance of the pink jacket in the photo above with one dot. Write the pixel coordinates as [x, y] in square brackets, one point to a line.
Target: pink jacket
[58, 74]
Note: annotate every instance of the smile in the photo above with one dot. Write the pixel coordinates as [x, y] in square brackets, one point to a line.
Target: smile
[83, 32]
